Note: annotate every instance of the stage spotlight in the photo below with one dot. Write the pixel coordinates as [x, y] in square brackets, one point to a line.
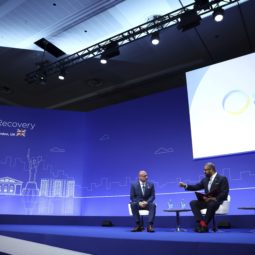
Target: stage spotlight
[42, 78]
[61, 75]
[189, 19]
[155, 38]
[201, 5]
[103, 59]
[110, 50]
[218, 14]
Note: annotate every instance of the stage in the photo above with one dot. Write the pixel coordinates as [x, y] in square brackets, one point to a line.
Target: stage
[99, 240]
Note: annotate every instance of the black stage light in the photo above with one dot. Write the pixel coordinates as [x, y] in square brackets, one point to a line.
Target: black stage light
[218, 14]
[201, 5]
[110, 50]
[189, 19]
[42, 77]
[155, 38]
[62, 74]
[103, 59]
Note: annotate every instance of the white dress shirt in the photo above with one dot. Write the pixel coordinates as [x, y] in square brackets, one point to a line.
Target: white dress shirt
[211, 181]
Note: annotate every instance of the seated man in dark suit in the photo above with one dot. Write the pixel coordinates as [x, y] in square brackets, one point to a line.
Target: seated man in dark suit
[213, 183]
[142, 195]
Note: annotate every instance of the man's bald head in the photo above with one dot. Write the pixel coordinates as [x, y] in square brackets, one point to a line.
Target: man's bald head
[143, 176]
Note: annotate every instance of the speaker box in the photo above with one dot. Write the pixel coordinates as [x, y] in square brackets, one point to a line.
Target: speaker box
[106, 223]
[224, 224]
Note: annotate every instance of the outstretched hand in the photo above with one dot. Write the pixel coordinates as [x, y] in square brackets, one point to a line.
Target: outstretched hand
[182, 184]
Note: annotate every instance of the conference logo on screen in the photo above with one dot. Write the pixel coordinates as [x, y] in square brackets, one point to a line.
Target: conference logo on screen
[10, 128]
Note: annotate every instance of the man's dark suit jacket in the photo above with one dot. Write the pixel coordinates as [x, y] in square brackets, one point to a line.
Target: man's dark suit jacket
[220, 184]
[136, 194]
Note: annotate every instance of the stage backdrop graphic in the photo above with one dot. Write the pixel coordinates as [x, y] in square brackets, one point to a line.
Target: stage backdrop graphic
[73, 163]
[40, 161]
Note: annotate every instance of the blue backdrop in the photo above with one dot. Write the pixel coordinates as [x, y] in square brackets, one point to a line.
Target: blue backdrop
[72, 163]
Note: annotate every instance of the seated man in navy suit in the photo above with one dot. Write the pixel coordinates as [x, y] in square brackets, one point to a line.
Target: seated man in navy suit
[218, 186]
[142, 195]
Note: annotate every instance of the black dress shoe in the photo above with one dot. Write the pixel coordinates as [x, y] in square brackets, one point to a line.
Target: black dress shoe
[137, 229]
[197, 229]
[150, 229]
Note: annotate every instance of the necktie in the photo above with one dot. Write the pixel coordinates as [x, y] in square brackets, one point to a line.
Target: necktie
[209, 184]
[143, 188]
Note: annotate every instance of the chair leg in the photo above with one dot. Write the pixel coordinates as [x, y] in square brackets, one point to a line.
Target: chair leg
[214, 225]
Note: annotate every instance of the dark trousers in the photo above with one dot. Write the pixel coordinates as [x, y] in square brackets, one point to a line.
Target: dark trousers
[211, 206]
[151, 207]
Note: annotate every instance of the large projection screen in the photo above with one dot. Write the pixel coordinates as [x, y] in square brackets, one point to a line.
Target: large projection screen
[221, 107]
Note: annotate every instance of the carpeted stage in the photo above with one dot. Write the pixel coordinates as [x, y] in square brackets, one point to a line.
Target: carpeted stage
[99, 240]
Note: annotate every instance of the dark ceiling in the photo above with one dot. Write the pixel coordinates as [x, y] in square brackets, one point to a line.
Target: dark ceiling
[139, 70]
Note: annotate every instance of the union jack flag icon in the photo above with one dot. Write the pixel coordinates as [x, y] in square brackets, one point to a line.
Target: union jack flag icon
[21, 132]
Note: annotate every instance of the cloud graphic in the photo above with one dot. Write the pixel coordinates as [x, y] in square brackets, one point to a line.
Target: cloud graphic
[163, 150]
[104, 137]
[57, 149]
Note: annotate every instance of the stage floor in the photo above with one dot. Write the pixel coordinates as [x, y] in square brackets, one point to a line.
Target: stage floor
[119, 240]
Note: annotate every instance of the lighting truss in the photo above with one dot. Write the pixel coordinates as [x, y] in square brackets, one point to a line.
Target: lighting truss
[131, 35]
